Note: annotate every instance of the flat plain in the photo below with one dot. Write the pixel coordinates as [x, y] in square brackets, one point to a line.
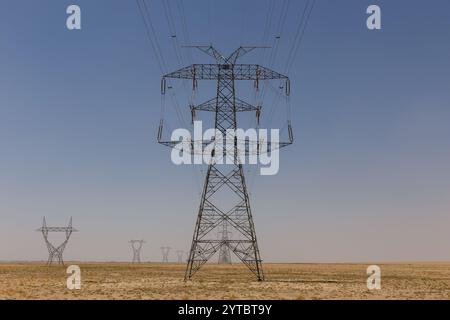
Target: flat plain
[283, 281]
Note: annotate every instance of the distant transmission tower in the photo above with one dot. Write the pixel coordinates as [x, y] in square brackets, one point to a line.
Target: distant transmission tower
[136, 245]
[224, 251]
[56, 253]
[225, 106]
[180, 254]
[165, 253]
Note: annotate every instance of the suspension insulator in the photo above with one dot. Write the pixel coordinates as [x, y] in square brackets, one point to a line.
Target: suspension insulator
[256, 81]
[163, 86]
[288, 87]
[291, 135]
[194, 84]
[194, 81]
[160, 129]
[192, 113]
[258, 114]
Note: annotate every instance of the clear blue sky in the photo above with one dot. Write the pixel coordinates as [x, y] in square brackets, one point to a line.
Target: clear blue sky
[367, 179]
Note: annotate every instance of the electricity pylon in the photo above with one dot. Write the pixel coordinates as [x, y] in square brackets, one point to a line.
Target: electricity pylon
[165, 253]
[136, 245]
[180, 254]
[56, 253]
[225, 106]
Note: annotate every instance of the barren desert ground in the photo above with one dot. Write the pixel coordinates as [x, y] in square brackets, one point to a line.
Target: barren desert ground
[283, 281]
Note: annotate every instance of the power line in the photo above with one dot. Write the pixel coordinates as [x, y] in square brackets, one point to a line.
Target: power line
[151, 35]
[176, 47]
[279, 31]
[307, 10]
[186, 37]
[173, 32]
[210, 25]
[309, 6]
[267, 25]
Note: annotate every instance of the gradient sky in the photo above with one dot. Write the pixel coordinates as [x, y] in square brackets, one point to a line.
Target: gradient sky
[367, 179]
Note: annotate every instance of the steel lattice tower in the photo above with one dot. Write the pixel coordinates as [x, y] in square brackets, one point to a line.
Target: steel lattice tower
[136, 245]
[165, 253]
[180, 254]
[225, 106]
[56, 253]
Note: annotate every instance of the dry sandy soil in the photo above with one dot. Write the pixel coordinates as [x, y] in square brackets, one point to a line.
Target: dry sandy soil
[283, 281]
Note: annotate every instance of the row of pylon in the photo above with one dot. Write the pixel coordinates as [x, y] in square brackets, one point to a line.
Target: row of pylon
[136, 245]
[56, 252]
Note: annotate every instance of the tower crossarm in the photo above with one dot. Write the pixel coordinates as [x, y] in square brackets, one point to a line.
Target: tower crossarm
[57, 229]
[212, 71]
[220, 59]
[248, 147]
[211, 105]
